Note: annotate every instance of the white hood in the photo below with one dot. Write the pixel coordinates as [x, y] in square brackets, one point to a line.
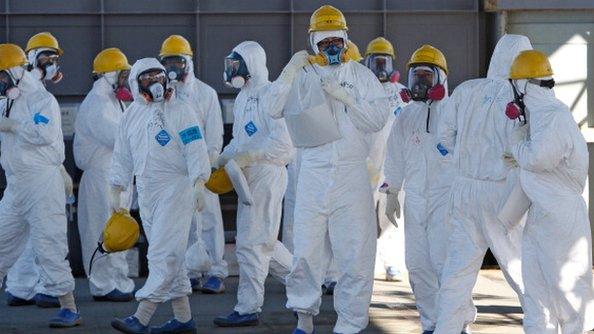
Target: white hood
[255, 58]
[140, 66]
[506, 50]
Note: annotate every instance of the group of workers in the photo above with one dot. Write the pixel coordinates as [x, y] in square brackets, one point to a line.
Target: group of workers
[499, 164]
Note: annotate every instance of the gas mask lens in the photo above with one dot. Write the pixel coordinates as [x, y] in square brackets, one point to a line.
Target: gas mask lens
[7, 86]
[380, 65]
[332, 48]
[153, 84]
[420, 80]
[175, 66]
[236, 73]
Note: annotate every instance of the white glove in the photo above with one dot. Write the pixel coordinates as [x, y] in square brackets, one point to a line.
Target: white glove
[519, 134]
[296, 63]
[68, 187]
[213, 156]
[199, 195]
[334, 89]
[392, 207]
[392, 203]
[246, 158]
[114, 198]
[7, 124]
[509, 160]
[223, 159]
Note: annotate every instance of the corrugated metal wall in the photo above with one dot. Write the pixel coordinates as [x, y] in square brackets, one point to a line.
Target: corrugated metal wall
[214, 27]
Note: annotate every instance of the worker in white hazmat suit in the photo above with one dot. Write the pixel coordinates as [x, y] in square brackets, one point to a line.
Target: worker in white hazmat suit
[161, 144]
[379, 58]
[331, 110]
[261, 146]
[31, 153]
[98, 116]
[553, 158]
[423, 169]
[207, 237]
[476, 132]
[23, 285]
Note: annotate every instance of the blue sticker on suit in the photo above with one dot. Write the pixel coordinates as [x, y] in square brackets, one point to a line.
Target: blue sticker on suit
[397, 111]
[162, 138]
[442, 149]
[39, 118]
[190, 134]
[250, 128]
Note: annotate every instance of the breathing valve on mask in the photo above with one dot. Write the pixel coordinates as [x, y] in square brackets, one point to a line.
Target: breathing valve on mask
[516, 109]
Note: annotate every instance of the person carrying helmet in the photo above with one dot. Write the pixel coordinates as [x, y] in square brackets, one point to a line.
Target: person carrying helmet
[424, 170]
[552, 155]
[23, 281]
[33, 205]
[98, 116]
[261, 146]
[207, 236]
[380, 58]
[475, 132]
[332, 111]
[160, 143]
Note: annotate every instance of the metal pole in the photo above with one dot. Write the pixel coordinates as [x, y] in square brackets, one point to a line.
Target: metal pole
[102, 24]
[292, 27]
[384, 18]
[197, 69]
[7, 20]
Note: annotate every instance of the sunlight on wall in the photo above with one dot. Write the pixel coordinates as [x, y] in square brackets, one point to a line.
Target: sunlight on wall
[570, 67]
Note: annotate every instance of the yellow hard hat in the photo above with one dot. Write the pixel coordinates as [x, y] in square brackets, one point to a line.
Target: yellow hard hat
[175, 45]
[43, 40]
[427, 54]
[380, 45]
[327, 18]
[11, 55]
[109, 60]
[530, 64]
[353, 51]
[121, 232]
[219, 182]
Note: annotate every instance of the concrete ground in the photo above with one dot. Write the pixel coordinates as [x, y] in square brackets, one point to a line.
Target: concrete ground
[392, 311]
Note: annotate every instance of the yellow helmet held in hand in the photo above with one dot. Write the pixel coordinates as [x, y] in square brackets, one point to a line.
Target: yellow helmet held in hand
[219, 182]
[11, 55]
[175, 45]
[327, 18]
[380, 45]
[43, 40]
[109, 60]
[121, 232]
[353, 51]
[530, 64]
[427, 54]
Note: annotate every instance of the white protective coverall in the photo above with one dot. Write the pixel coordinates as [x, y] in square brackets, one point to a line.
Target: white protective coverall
[414, 160]
[334, 206]
[97, 119]
[33, 205]
[557, 245]
[267, 139]
[162, 145]
[475, 130]
[207, 236]
[390, 243]
[289, 202]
